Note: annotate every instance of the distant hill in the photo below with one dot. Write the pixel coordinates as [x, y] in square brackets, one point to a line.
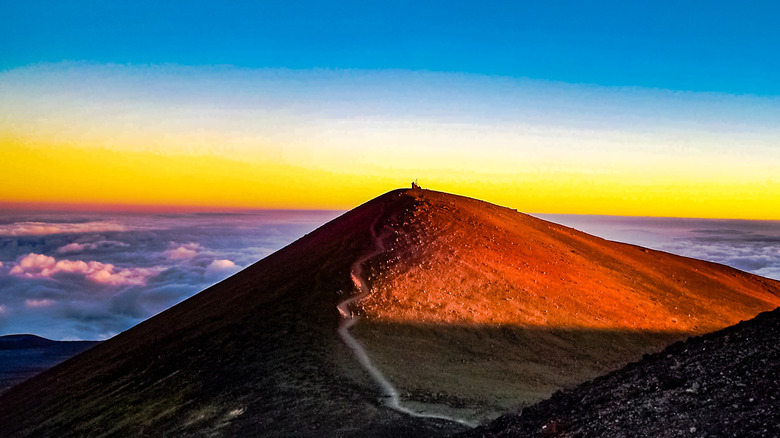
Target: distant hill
[723, 384]
[474, 310]
[19, 342]
[23, 356]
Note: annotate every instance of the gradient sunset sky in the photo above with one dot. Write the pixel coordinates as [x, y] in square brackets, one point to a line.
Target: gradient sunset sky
[621, 108]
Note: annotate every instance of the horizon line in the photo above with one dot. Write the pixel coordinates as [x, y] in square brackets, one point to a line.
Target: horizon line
[98, 207]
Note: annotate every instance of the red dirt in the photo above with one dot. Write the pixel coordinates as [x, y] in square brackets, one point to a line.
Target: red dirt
[459, 260]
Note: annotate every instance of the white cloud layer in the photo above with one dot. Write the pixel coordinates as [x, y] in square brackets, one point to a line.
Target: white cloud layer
[91, 282]
[44, 228]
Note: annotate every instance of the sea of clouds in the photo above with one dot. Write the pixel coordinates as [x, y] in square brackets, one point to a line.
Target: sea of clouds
[92, 275]
[752, 246]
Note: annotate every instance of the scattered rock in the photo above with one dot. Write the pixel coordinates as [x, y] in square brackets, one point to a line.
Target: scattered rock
[727, 389]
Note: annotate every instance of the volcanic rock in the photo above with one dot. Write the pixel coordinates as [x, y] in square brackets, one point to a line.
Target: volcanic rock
[723, 384]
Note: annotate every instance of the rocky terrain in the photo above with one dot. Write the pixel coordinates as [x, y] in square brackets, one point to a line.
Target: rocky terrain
[723, 384]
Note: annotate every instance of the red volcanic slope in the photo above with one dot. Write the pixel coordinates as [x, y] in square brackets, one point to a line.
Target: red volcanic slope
[452, 259]
[491, 309]
[259, 354]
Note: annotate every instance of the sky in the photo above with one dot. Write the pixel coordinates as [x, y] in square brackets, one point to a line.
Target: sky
[609, 108]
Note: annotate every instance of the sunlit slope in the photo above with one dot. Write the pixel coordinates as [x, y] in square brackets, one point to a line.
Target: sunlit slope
[492, 307]
[458, 260]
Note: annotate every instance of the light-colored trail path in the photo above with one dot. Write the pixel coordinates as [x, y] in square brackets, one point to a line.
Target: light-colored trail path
[348, 319]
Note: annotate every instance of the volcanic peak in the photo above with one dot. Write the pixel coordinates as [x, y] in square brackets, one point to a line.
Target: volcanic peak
[453, 259]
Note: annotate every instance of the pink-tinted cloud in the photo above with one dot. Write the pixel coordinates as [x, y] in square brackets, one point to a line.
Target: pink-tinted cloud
[73, 247]
[33, 265]
[42, 266]
[182, 252]
[43, 228]
[78, 247]
[221, 265]
[38, 303]
[221, 268]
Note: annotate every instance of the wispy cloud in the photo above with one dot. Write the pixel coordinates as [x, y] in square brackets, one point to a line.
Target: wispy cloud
[38, 303]
[78, 247]
[44, 228]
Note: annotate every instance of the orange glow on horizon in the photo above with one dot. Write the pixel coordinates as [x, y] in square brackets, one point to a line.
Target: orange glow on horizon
[100, 178]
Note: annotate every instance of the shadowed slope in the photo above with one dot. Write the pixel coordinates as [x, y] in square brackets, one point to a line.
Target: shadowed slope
[722, 384]
[257, 354]
[529, 306]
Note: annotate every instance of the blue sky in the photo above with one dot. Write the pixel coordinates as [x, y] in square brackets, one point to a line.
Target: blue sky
[719, 46]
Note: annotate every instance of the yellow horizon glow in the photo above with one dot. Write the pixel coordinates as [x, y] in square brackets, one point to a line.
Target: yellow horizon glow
[100, 176]
[97, 135]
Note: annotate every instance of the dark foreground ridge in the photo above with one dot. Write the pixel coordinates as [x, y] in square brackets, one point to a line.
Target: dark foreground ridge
[723, 384]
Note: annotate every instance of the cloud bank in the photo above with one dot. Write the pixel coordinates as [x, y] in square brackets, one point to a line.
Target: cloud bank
[42, 266]
[752, 246]
[89, 276]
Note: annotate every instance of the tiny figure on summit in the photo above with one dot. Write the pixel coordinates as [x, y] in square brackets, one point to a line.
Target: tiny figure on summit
[415, 185]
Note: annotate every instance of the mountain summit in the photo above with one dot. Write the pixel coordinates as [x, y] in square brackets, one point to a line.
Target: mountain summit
[414, 314]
